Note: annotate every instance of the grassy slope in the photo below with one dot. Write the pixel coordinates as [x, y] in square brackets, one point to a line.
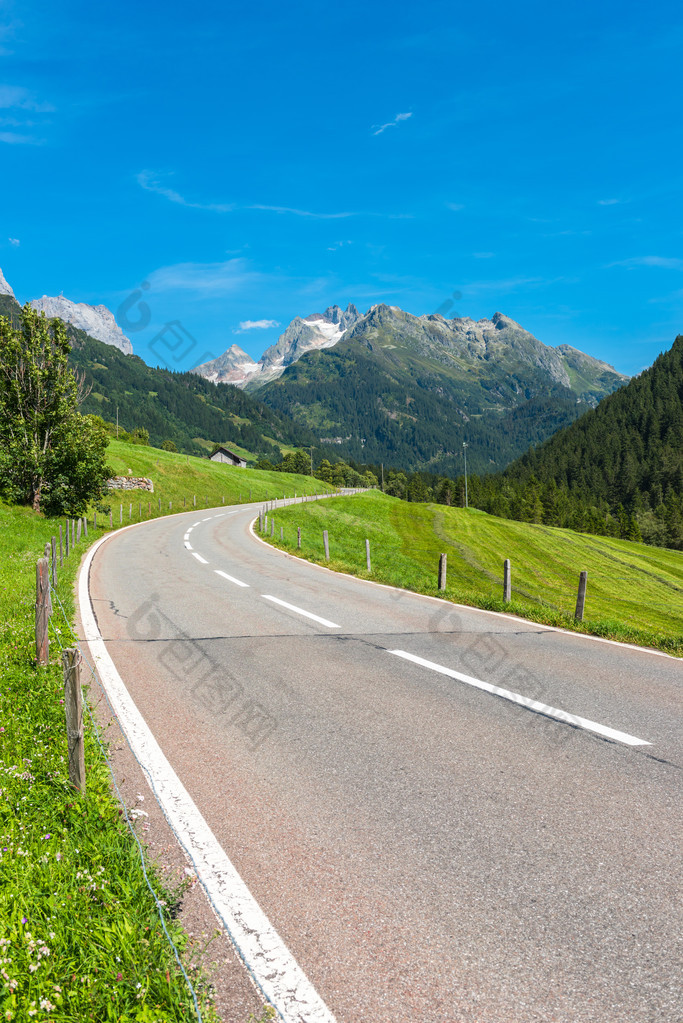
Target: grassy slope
[635, 592]
[180, 476]
[69, 867]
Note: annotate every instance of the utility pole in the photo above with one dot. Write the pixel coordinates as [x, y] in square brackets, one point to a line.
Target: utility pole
[464, 451]
[311, 461]
[382, 477]
[117, 422]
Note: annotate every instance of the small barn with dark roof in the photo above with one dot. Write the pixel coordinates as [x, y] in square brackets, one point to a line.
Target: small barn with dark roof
[224, 455]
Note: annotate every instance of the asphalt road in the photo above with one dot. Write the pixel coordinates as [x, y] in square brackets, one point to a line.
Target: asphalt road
[429, 851]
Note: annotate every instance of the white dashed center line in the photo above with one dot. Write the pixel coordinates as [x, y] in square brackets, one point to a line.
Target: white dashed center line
[194, 524]
[524, 701]
[188, 545]
[300, 611]
[199, 558]
[230, 578]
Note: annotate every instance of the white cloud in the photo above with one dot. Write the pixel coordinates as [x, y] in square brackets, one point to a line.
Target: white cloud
[664, 262]
[14, 96]
[455, 206]
[204, 278]
[151, 182]
[609, 202]
[13, 138]
[255, 325]
[300, 213]
[391, 124]
[14, 241]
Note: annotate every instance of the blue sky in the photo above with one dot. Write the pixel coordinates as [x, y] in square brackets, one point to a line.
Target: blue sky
[253, 162]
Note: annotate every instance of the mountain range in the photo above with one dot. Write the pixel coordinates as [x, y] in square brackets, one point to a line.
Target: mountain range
[383, 386]
[410, 390]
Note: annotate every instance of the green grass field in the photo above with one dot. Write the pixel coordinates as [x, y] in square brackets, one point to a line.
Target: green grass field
[80, 935]
[635, 592]
[182, 478]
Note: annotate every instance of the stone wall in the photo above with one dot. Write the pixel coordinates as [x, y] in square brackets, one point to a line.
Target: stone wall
[130, 483]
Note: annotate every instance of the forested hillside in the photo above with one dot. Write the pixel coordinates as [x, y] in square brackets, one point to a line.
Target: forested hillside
[179, 407]
[623, 459]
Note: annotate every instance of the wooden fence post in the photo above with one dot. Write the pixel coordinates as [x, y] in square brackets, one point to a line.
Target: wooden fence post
[581, 597]
[111, 519]
[272, 525]
[367, 555]
[184, 502]
[507, 581]
[130, 512]
[170, 505]
[73, 533]
[94, 519]
[326, 544]
[78, 531]
[61, 549]
[54, 560]
[282, 532]
[159, 505]
[298, 537]
[194, 500]
[42, 611]
[443, 568]
[73, 710]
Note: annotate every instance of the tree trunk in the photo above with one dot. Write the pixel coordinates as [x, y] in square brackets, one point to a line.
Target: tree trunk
[35, 497]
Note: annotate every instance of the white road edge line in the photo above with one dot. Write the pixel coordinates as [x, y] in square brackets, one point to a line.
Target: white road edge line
[230, 578]
[271, 964]
[300, 611]
[199, 558]
[524, 701]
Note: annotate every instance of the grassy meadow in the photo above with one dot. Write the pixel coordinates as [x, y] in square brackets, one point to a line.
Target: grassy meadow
[180, 478]
[635, 592]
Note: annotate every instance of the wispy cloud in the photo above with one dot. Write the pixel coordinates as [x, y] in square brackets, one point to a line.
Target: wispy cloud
[664, 262]
[612, 202]
[13, 138]
[15, 242]
[18, 98]
[151, 182]
[455, 206]
[255, 325]
[390, 124]
[204, 278]
[483, 255]
[299, 213]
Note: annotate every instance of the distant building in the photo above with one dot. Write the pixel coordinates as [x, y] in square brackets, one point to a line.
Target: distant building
[223, 455]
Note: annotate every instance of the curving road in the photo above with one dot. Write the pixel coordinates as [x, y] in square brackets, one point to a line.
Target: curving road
[428, 847]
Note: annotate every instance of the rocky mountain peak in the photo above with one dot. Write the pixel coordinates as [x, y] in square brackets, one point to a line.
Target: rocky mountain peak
[95, 320]
[5, 289]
